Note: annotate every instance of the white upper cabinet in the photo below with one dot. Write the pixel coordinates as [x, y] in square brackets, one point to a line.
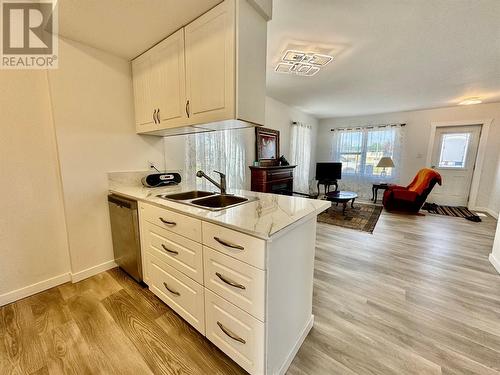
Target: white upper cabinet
[210, 64]
[143, 100]
[169, 80]
[160, 85]
[212, 70]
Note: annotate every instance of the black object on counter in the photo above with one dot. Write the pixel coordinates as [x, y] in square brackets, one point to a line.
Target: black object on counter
[161, 179]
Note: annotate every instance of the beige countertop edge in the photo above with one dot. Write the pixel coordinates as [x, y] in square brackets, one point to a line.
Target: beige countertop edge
[279, 233]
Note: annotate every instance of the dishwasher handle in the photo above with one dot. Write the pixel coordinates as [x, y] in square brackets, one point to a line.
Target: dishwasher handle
[122, 202]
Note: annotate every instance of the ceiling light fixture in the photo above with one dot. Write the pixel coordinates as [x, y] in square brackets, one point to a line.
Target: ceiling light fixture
[302, 63]
[469, 101]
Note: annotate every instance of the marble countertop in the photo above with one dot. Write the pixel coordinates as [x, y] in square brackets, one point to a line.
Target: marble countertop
[265, 217]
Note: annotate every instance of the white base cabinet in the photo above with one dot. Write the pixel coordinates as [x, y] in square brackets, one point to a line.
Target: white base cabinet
[252, 298]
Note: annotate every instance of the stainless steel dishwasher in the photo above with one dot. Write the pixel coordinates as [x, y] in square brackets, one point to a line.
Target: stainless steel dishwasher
[125, 232]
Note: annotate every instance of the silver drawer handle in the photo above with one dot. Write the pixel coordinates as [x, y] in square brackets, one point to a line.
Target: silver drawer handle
[170, 290]
[170, 251]
[230, 334]
[229, 282]
[172, 223]
[229, 244]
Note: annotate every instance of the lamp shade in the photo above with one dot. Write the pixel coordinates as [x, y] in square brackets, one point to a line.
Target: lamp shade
[385, 162]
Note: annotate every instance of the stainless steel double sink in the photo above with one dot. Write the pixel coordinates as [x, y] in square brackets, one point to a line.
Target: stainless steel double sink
[207, 200]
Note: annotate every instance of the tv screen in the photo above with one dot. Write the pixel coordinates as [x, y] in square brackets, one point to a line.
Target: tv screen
[328, 171]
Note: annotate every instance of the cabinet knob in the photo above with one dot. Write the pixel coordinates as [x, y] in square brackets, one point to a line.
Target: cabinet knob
[154, 116]
[187, 108]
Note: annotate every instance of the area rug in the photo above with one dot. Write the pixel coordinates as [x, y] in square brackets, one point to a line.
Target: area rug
[455, 211]
[362, 217]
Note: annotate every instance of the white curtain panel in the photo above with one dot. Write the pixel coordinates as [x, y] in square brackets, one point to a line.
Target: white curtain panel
[300, 150]
[222, 151]
[360, 149]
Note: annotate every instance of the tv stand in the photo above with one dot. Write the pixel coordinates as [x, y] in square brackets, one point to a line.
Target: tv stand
[327, 184]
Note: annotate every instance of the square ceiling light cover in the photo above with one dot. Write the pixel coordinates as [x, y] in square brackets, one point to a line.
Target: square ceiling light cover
[302, 63]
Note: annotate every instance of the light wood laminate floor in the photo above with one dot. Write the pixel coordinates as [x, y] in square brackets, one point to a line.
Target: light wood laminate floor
[417, 297]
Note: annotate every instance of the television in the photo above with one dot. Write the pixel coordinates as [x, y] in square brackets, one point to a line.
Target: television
[328, 171]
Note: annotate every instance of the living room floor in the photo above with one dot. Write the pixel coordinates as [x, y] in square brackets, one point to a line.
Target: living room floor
[417, 297]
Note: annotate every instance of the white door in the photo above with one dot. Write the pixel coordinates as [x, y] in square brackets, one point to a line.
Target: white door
[169, 80]
[142, 80]
[454, 156]
[210, 65]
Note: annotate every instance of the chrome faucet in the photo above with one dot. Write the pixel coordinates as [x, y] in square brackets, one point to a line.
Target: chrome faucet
[221, 185]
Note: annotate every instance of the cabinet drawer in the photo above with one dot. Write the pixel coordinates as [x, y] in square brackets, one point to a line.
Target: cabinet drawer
[235, 332]
[183, 295]
[246, 248]
[177, 251]
[278, 175]
[181, 224]
[235, 281]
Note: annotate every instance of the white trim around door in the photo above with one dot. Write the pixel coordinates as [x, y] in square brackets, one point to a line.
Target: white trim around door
[485, 128]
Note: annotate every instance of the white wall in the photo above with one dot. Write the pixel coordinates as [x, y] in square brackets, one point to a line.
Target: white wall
[33, 243]
[94, 119]
[278, 116]
[417, 139]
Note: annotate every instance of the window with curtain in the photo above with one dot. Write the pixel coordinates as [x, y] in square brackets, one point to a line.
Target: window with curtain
[222, 151]
[360, 150]
[300, 150]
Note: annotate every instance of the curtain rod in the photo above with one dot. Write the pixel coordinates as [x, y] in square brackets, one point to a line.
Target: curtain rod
[370, 127]
[301, 124]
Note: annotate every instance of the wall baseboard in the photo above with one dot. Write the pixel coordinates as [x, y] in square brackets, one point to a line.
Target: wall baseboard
[495, 262]
[29, 290]
[487, 210]
[41, 286]
[89, 272]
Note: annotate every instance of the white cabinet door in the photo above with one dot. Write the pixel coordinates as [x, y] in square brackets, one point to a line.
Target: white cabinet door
[210, 65]
[169, 80]
[143, 99]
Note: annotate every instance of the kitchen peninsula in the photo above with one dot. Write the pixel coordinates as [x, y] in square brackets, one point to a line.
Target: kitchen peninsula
[242, 276]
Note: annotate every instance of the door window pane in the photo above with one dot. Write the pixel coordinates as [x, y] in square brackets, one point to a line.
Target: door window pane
[454, 150]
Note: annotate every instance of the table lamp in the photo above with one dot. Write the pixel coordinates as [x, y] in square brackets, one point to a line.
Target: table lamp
[385, 162]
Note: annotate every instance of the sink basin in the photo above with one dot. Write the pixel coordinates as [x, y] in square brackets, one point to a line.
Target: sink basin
[187, 195]
[220, 201]
[206, 200]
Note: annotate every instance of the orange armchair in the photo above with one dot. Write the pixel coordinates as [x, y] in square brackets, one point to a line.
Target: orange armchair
[412, 197]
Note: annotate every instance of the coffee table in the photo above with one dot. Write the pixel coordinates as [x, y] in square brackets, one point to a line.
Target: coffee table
[342, 197]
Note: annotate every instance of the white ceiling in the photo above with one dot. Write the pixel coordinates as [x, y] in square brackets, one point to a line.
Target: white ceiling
[126, 28]
[390, 55]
